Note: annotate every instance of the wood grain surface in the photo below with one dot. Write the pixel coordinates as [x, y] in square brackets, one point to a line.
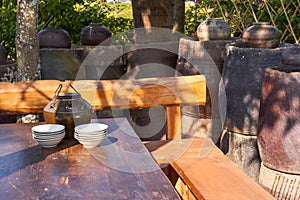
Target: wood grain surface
[199, 167]
[32, 97]
[119, 168]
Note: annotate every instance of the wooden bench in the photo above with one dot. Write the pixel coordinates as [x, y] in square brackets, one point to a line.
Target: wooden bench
[211, 177]
[199, 170]
[170, 92]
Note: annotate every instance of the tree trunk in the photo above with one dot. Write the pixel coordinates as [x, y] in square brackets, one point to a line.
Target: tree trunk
[159, 13]
[179, 16]
[27, 42]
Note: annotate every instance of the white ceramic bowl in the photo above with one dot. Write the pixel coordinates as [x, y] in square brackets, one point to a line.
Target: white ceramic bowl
[90, 135]
[90, 128]
[96, 134]
[48, 128]
[90, 143]
[48, 136]
[47, 143]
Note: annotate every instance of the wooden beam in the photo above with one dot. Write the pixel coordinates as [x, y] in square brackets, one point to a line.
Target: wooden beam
[32, 97]
[173, 122]
[205, 170]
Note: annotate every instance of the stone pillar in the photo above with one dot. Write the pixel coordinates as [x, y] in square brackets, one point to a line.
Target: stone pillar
[242, 76]
[202, 57]
[60, 63]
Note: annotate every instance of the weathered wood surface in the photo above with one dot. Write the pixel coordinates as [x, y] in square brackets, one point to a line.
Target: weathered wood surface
[32, 97]
[211, 176]
[120, 168]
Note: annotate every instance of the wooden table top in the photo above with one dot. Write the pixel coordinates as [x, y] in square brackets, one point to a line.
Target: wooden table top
[119, 168]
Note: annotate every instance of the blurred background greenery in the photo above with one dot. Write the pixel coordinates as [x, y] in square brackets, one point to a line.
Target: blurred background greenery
[73, 15]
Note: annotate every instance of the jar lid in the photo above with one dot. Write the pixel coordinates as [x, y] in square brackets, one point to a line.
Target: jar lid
[261, 23]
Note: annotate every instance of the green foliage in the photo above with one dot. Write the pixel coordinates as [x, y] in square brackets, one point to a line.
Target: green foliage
[71, 15]
[195, 14]
[8, 26]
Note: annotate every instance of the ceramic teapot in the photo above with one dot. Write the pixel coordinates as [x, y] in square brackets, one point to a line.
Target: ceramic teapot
[68, 109]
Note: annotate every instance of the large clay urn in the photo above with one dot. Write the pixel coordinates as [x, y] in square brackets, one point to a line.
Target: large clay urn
[279, 120]
[94, 34]
[54, 38]
[291, 56]
[213, 29]
[2, 55]
[261, 35]
[68, 109]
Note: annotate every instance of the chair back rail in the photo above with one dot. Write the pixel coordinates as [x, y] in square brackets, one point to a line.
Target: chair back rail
[170, 92]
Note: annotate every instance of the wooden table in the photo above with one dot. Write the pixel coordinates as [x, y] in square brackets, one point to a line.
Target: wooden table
[119, 168]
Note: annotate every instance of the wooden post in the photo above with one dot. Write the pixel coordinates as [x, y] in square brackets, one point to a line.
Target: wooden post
[173, 122]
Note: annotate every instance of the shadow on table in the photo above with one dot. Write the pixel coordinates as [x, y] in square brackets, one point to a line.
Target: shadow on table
[15, 161]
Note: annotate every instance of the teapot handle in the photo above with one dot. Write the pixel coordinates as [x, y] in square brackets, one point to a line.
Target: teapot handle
[74, 89]
[57, 91]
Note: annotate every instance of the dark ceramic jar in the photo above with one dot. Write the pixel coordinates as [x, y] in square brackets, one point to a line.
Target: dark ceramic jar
[261, 35]
[214, 29]
[68, 109]
[2, 55]
[291, 56]
[94, 34]
[54, 38]
[279, 120]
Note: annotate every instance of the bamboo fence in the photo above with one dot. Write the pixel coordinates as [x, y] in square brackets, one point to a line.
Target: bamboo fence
[240, 14]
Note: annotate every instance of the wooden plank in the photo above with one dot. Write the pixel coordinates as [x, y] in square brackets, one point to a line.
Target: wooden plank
[210, 177]
[173, 122]
[119, 168]
[105, 94]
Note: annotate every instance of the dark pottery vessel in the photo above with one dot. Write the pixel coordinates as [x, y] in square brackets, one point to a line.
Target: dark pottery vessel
[261, 35]
[279, 120]
[68, 109]
[2, 55]
[243, 74]
[291, 56]
[213, 29]
[54, 38]
[94, 34]
[242, 77]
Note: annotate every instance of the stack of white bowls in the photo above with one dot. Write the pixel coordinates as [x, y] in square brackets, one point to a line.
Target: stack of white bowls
[90, 135]
[48, 135]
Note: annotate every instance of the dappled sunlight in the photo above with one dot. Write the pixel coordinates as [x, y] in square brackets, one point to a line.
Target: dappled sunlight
[243, 76]
[146, 18]
[279, 120]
